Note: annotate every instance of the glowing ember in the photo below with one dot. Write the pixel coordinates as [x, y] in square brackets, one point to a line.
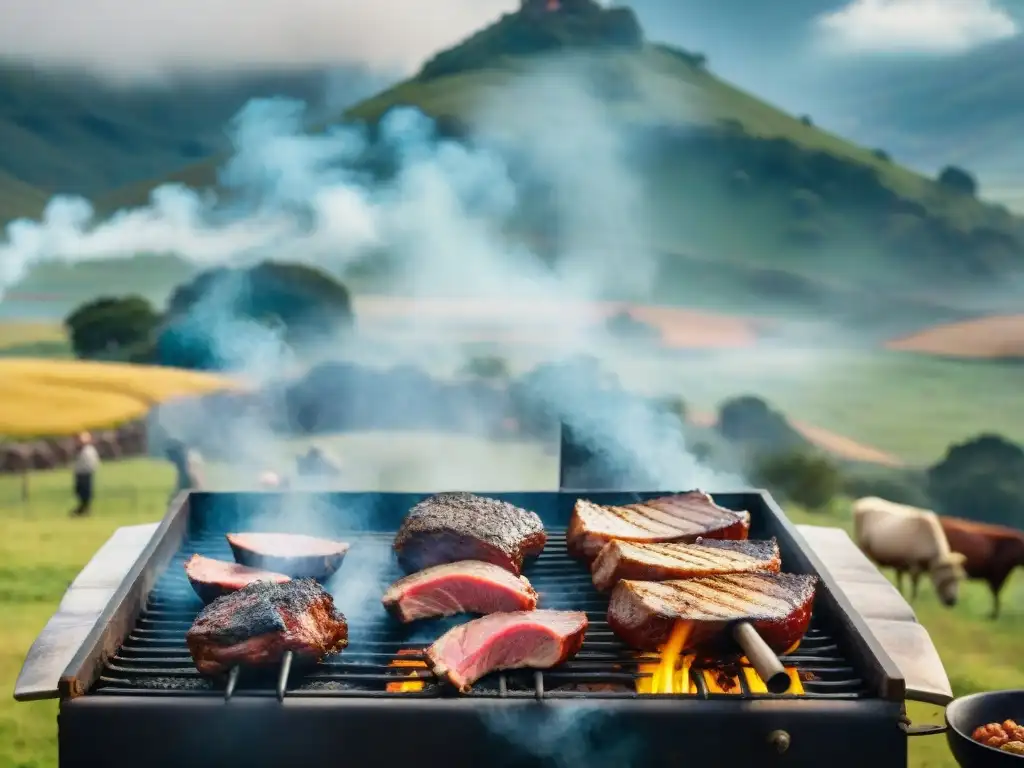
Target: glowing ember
[412, 683]
[553, 5]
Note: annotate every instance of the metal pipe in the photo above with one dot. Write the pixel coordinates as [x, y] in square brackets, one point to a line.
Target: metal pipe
[762, 658]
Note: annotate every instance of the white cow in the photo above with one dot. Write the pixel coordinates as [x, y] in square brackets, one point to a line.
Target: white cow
[908, 539]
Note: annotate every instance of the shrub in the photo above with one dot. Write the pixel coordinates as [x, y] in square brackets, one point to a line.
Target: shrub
[112, 328]
[806, 120]
[958, 180]
[806, 478]
[882, 155]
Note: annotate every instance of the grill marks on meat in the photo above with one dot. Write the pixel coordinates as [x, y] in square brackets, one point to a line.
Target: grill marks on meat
[522, 639]
[214, 578]
[450, 527]
[298, 556]
[778, 605]
[660, 562]
[256, 625]
[469, 586]
[682, 517]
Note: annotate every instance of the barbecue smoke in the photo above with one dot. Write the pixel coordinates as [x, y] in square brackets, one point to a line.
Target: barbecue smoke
[441, 220]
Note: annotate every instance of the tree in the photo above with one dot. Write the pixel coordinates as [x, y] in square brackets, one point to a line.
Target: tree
[807, 478]
[751, 421]
[958, 180]
[981, 479]
[214, 319]
[110, 328]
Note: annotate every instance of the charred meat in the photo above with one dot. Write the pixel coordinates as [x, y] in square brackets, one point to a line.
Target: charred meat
[523, 639]
[450, 527]
[256, 625]
[660, 562]
[682, 517]
[301, 557]
[215, 578]
[469, 586]
[778, 605]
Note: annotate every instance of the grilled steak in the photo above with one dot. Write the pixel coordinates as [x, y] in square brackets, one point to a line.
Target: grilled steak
[660, 562]
[257, 624]
[301, 557]
[778, 605]
[682, 517]
[534, 639]
[214, 578]
[469, 586]
[450, 527]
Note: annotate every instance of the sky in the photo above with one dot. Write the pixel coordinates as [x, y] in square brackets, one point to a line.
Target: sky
[133, 40]
[914, 26]
[130, 40]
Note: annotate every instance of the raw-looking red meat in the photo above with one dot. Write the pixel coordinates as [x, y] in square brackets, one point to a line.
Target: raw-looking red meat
[468, 586]
[215, 578]
[523, 639]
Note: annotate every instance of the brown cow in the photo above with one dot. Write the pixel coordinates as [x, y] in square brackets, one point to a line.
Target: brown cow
[991, 551]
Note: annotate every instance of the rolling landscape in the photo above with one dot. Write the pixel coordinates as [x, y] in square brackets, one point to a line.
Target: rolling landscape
[817, 273]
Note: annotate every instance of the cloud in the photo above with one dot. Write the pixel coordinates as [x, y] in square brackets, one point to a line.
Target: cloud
[132, 40]
[915, 26]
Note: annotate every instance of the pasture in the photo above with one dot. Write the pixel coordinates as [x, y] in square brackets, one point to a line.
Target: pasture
[42, 549]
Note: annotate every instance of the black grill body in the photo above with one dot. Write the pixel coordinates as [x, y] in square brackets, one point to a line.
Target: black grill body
[142, 701]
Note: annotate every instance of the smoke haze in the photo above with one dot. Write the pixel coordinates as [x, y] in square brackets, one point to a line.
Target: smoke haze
[132, 41]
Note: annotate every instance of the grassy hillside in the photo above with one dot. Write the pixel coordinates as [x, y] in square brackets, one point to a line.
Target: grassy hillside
[68, 133]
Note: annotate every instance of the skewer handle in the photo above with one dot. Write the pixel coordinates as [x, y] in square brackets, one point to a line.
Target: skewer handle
[762, 658]
[282, 677]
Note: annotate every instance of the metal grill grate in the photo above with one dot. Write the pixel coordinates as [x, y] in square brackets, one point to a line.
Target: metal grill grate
[154, 660]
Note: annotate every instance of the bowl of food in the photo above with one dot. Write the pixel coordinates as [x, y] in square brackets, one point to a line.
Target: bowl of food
[987, 729]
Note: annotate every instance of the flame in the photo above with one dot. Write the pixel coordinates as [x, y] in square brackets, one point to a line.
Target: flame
[664, 676]
[674, 673]
[412, 684]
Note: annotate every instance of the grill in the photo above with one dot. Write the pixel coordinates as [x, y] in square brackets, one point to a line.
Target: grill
[132, 695]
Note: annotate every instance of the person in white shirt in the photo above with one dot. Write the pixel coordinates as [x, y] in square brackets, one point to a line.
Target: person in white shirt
[87, 461]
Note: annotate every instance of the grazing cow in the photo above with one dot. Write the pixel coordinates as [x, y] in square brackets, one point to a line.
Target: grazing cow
[991, 552]
[910, 540]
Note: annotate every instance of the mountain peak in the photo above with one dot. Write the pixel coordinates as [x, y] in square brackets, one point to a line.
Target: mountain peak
[541, 27]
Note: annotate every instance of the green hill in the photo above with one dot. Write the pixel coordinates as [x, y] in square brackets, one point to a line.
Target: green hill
[746, 203]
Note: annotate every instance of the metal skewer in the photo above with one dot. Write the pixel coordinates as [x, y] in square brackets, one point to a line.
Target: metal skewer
[229, 690]
[282, 678]
[761, 658]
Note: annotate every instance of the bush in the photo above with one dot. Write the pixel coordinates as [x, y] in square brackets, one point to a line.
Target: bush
[113, 329]
[752, 422]
[882, 155]
[213, 320]
[958, 180]
[806, 120]
[487, 367]
[806, 478]
[981, 479]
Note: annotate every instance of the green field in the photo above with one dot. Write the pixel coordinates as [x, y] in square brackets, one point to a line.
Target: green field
[41, 551]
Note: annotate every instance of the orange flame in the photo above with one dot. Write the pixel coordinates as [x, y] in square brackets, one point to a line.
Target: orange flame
[412, 683]
[664, 676]
[674, 673]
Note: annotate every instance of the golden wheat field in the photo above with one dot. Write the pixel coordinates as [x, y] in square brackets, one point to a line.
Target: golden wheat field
[60, 397]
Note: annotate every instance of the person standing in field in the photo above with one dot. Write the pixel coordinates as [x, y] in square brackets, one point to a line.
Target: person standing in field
[87, 461]
[188, 466]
